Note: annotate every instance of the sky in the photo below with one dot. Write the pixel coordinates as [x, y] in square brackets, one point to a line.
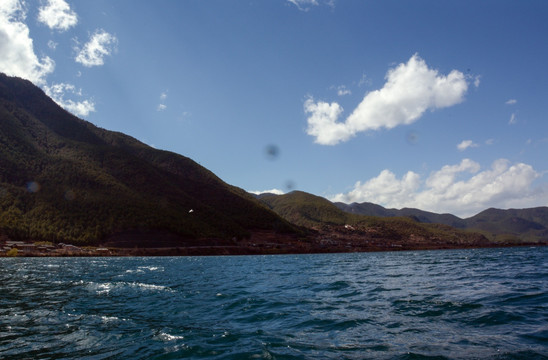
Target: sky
[436, 105]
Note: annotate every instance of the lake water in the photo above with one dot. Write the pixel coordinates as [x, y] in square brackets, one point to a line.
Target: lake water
[457, 304]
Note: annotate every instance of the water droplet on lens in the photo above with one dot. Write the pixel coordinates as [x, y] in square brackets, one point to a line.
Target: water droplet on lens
[412, 137]
[70, 195]
[272, 152]
[289, 185]
[33, 186]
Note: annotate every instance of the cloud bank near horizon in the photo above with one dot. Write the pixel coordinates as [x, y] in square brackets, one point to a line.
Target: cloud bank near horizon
[463, 189]
[411, 89]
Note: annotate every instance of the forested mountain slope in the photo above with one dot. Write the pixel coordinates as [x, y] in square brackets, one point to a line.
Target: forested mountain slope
[64, 179]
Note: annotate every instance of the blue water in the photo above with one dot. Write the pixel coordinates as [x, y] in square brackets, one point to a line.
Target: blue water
[458, 304]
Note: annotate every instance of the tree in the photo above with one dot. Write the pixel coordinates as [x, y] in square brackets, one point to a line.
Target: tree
[12, 252]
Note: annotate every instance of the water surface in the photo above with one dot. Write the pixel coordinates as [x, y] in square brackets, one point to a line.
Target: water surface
[458, 304]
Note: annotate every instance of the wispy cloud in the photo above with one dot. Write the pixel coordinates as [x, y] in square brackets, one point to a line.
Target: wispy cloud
[342, 91]
[511, 102]
[162, 106]
[60, 92]
[410, 90]
[17, 57]
[57, 15]
[100, 45]
[465, 144]
[513, 120]
[463, 189]
[306, 5]
[365, 80]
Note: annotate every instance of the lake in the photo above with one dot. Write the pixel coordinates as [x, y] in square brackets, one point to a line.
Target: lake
[451, 304]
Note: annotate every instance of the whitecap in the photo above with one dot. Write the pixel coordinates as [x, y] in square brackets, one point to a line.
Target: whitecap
[168, 337]
[150, 286]
[151, 268]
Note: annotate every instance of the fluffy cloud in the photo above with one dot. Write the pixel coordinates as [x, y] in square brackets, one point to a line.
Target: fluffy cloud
[409, 91]
[100, 44]
[465, 144]
[57, 15]
[462, 189]
[58, 92]
[17, 57]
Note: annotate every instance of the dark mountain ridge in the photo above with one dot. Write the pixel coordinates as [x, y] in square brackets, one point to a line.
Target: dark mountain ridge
[64, 179]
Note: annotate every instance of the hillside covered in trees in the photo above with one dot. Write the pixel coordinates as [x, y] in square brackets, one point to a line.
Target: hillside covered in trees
[63, 179]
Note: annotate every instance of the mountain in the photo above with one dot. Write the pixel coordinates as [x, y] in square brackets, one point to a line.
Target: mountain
[305, 209]
[337, 226]
[513, 225]
[516, 225]
[371, 209]
[62, 179]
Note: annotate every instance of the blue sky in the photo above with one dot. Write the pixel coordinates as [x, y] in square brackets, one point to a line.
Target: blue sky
[439, 105]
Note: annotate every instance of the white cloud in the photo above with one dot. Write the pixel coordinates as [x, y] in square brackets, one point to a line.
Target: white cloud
[463, 189]
[100, 44]
[271, 191]
[513, 119]
[409, 91]
[17, 57]
[162, 106]
[58, 92]
[477, 81]
[364, 81]
[342, 91]
[57, 15]
[465, 144]
[52, 45]
[511, 102]
[304, 5]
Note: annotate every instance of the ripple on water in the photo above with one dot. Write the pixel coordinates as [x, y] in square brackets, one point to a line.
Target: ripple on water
[417, 305]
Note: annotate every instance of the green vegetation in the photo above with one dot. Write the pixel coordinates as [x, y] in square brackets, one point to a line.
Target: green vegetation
[316, 212]
[511, 226]
[12, 252]
[64, 180]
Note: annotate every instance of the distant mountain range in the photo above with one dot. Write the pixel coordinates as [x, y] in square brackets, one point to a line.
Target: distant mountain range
[502, 225]
[62, 179]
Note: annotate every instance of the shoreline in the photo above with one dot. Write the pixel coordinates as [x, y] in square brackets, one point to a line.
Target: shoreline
[243, 251]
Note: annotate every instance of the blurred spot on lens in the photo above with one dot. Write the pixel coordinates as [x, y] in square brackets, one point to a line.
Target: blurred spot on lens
[412, 137]
[290, 185]
[272, 152]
